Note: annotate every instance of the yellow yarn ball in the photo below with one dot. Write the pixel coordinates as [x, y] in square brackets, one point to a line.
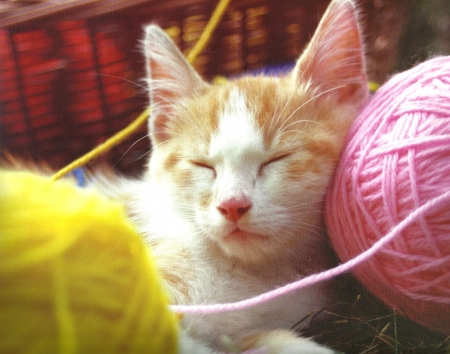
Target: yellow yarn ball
[75, 277]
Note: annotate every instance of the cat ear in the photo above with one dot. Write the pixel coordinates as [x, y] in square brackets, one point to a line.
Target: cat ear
[170, 79]
[333, 62]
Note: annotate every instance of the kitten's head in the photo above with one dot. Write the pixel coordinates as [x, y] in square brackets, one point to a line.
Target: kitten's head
[248, 162]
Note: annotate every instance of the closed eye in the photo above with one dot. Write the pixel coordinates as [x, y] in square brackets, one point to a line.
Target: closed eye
[203, 165]
[272, 160]
[276, 158]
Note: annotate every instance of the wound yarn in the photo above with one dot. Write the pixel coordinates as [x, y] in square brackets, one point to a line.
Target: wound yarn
[75, 275]
[398, 159]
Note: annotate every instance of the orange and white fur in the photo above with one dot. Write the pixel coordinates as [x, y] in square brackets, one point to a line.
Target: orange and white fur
[231, 201]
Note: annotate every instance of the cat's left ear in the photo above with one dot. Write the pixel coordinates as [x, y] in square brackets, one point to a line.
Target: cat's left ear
[170, 78]
[333, 62]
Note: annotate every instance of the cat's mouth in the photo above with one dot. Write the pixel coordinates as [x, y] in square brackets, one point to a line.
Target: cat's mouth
[238, 235]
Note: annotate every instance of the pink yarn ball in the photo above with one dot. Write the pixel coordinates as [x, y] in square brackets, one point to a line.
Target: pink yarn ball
[397, 159]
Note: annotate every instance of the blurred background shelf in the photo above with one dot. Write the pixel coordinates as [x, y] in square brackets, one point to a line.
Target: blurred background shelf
[71, 71]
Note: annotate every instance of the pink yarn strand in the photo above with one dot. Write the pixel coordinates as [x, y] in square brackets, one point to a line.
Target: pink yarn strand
[436, 203]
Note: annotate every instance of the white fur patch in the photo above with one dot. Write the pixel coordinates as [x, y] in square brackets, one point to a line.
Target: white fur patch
[237, 149]
[238, 138]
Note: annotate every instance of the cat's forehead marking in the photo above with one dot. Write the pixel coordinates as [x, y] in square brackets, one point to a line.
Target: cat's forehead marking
[238, 133]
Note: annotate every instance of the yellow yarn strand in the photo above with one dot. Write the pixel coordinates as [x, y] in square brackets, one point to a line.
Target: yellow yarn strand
[133, 126]
[107, 145]
[209, 29]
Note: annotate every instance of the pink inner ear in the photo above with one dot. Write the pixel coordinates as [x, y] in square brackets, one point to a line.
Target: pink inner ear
[171, 78]
[351, 92]
[158, 129]
[161, 100]
[335, 56]
[161, 83]
[162, 97]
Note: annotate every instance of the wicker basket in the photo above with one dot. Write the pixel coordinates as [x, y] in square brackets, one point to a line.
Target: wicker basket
[70, 73]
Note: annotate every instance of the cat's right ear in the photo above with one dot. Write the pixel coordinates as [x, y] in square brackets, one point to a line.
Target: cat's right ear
[170, 78]
[333, 62]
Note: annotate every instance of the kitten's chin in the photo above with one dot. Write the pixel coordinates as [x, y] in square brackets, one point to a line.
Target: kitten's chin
[244, 237]
[245, 246]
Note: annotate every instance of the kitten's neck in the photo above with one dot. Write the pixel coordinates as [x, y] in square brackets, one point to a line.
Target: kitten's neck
[317, 257]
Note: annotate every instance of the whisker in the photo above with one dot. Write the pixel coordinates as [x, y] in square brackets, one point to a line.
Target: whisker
[282, 111]
[129, 148]
[310, 100]
[121, 78]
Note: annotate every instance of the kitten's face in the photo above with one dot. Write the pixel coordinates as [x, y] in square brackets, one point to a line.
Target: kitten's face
[248, 162]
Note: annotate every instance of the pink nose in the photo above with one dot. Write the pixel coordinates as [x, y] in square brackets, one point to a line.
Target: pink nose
[234, 208]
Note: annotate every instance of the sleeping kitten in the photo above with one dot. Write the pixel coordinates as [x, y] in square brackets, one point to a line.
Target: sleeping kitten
[231, 201]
